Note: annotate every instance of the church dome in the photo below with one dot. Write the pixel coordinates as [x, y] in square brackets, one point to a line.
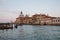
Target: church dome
[21, 14]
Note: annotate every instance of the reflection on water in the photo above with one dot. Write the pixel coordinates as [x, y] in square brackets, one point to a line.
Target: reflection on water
[31, 32]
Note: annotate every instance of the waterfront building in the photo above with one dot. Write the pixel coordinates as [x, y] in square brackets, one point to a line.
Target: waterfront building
[19, 19]
[27, 19]
[56, 20]
[40, 19]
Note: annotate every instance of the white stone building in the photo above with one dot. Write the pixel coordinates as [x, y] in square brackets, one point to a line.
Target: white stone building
[56, 20]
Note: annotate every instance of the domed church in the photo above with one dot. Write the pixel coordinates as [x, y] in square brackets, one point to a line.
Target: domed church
[19, 20]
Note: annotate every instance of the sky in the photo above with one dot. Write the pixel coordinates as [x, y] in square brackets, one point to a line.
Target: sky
[10, 9]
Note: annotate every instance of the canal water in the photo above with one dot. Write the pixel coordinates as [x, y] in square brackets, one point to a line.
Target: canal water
[31, 32]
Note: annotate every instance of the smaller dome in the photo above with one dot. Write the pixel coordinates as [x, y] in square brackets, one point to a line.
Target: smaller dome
[26, 15]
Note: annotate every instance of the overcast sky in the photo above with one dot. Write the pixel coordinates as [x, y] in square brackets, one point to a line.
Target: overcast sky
[10, 9]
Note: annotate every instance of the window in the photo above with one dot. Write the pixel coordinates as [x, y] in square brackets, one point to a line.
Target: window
[58, 20]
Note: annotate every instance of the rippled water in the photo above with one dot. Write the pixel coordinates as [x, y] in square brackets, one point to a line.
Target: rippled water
[31, 32]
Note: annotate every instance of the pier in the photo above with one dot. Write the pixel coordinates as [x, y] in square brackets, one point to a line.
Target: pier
[6, 25]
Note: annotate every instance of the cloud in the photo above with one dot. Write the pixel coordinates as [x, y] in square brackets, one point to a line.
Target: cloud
[8, 15]
[8, 11]
[3, 2]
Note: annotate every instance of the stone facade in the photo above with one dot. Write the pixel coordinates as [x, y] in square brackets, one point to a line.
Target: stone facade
[20, 19]
[56, 20]
[27, 20]
[41, 19]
